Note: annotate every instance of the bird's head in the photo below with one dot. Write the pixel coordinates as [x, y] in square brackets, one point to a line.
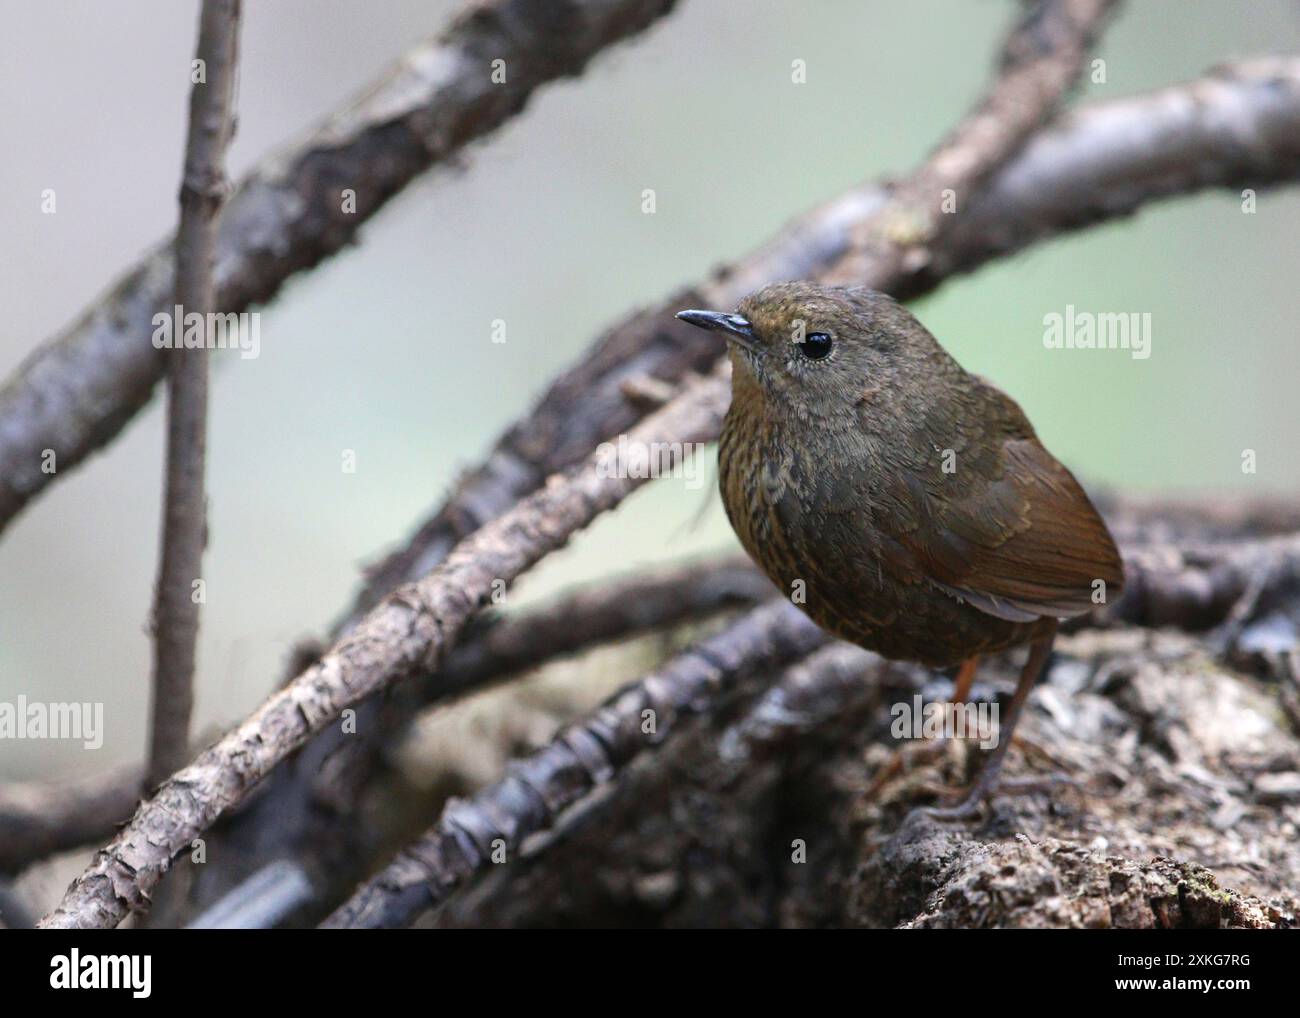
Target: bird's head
[818, 350]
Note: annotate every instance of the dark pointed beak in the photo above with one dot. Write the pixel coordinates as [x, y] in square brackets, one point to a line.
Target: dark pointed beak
[735, 328]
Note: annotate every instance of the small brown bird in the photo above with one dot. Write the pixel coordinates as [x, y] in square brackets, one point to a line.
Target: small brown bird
[909, 501]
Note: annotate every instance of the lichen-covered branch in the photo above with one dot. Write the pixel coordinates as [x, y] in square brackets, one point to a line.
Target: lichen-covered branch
[585, 756]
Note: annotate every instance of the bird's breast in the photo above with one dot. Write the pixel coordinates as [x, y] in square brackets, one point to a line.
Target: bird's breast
[806, 517]
[795, 511]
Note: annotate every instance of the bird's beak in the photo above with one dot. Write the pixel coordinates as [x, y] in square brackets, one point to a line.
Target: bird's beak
[736, 329]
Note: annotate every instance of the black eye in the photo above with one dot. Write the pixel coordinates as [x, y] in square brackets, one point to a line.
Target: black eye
[815, 345]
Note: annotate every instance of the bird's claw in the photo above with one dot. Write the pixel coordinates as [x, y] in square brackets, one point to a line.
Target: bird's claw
[986, 788]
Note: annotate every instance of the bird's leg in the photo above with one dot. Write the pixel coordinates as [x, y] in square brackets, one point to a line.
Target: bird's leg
[961, 686]
[964, 680]
[986, 782]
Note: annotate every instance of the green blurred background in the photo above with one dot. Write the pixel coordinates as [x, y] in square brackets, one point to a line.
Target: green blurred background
[386, 349]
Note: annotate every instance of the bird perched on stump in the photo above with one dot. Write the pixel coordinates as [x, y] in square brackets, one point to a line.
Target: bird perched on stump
[909, 501]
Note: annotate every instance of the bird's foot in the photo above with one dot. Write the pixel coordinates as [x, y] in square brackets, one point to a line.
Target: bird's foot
[905, 759]
[986, 788]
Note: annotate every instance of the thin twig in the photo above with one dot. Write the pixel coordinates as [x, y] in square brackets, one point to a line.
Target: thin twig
[584, 757]
[184, 528]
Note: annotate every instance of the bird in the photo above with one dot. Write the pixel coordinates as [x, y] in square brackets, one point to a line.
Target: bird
[908, 502]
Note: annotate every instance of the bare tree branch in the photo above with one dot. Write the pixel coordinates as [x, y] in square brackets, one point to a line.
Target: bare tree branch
[1236, 127]
[75, 393]
[826, 685]
[1197, 587]
[185, 515]
[593, 615]
[40, 819]
[1041, 60]
[408, 631]
[1149, 519]
[584, 757]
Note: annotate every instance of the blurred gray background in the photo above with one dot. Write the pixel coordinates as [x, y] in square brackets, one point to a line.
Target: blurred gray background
[386, 350]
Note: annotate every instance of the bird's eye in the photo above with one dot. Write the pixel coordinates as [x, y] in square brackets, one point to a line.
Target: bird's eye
[815, 345]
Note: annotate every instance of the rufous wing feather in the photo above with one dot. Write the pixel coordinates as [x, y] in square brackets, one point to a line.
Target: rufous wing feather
[1021, 546]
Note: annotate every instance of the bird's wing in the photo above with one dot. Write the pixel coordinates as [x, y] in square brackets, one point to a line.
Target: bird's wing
[1016, 537]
